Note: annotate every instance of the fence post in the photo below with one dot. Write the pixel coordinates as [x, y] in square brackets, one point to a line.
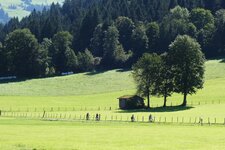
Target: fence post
[143, 119]
[209, 121]
[0, 113]
[215, 120]
[43, 114]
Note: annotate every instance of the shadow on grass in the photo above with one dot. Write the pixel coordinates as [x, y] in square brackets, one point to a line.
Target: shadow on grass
[95, 72]
[17, 80]
[104, 71]
[158, 109]
[123, 70]
[222, 61]
[12, 81]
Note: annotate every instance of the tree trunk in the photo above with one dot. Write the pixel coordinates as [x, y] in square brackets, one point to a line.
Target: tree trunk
[165, 100]
[148, 97]
[165, 96]
[185, 100]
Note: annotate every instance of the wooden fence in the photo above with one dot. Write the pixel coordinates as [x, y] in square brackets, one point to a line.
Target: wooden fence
[99, 108]
[51, 116]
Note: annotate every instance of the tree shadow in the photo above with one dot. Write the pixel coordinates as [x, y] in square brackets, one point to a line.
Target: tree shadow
[222, 61]
[123, 70]
[23, 79]
[12, 81]
[95, 72]
[104, 71]
[158, 109]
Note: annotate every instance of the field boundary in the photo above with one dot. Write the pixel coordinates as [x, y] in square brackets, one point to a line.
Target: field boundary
[99, 108]
[49, 116]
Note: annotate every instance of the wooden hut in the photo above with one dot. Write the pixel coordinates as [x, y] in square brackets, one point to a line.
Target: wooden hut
[131, 102]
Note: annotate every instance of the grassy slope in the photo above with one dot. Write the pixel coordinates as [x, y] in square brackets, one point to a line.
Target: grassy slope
[102, 90]
[87, 83]
[19, 11]
[80, 84]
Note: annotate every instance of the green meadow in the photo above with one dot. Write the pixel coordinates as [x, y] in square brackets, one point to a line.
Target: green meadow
[33, 134]
[19, 5]
[75, 95]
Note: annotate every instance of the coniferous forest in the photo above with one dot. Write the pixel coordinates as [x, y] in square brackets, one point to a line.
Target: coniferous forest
[86, 35]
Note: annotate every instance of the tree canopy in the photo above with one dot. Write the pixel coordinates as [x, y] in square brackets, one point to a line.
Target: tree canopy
[187, 63]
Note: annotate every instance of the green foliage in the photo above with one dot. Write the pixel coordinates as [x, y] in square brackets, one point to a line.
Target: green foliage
[166, 79]
[205, 24]
[201, 17]
[113, 51]
[146, 74]
[220, 31]
[23, 54]
[90, 21]
[97, 41]
[139, 41]
[64, 58]
[125, 27]
[187, 61]
[141, 26]
[46, 68]
[153, 34]
[86, 61]
[175, 23]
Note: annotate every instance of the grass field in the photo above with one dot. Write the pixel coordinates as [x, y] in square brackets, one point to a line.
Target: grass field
[78, 94]
[20, 10]
[32, 134]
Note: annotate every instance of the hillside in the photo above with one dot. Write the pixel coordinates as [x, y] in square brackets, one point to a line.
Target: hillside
[21, 8]
[92, 83]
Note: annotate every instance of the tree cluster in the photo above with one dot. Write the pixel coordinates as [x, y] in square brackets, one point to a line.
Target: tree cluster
[22, 55]
[180, 70]
[110, 34]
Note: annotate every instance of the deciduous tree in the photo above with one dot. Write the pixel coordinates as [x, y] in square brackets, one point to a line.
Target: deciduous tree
[146, 74]
[187, 62]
